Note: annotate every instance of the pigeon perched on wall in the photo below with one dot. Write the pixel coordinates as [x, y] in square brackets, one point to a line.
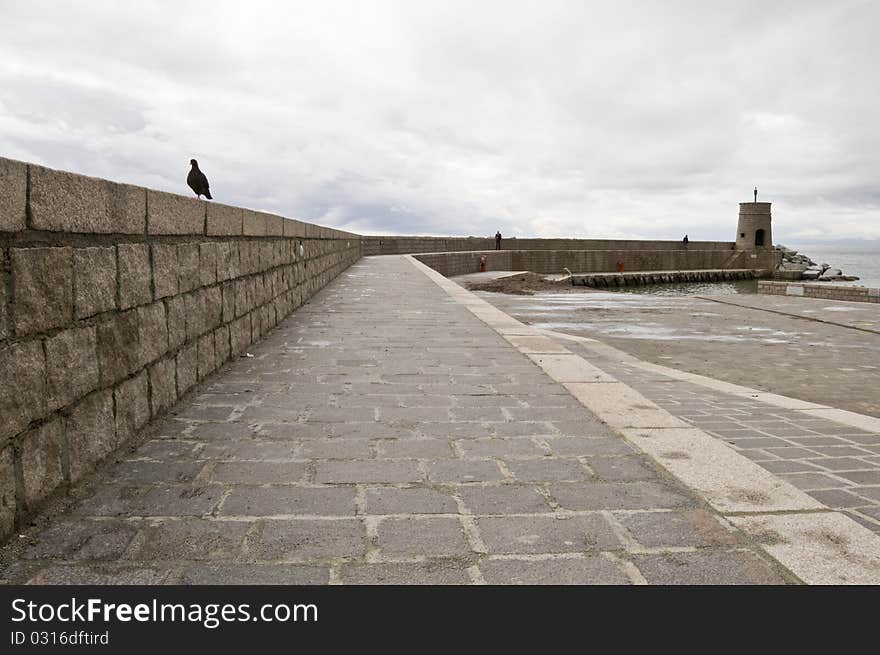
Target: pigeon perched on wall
[197, 181]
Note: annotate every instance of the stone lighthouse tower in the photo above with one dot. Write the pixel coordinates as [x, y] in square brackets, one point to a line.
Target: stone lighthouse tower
[753, 230]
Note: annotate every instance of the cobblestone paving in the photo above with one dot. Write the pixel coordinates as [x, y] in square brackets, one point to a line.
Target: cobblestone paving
[383, 434]
[837, 464]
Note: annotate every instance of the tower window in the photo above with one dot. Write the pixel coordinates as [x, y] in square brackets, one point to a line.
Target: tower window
[759, 238]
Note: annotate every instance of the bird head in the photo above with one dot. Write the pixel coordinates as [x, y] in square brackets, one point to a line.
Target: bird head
[193, 162]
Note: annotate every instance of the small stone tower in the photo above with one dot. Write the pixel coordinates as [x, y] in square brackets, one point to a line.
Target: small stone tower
[753, 230]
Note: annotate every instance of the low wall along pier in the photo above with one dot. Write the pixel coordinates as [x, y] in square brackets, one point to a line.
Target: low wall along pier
[601, 261]
[115, 300]
[824, 291]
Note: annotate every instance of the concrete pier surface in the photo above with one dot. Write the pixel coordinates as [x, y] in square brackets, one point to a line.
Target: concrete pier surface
[400, 429]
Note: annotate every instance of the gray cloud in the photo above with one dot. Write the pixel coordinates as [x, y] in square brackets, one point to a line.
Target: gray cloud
[616, 119]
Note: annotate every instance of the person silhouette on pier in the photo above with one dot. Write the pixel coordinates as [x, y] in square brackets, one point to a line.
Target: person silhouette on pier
[756, 194]
[498, 240]
[684, 241]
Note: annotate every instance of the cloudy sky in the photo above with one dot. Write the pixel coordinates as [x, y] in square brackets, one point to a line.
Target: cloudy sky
[547, 118]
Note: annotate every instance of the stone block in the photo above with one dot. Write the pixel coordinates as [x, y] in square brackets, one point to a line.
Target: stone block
[187, 369]
[71, 366]
[432, 537]
[228, 301]
[118, 347]
[94, 281]
[7, 493]
[207, 263]
[243, 301]
[90, 432]
[177, 321]
[253, 223]
[207, 358]
[43, 283]
[132, 407]
[188, 266]
[135, 277]
[240, 334]
[221, 345]
[224, 220]
[163, 389]
[274, 225]
[22, 386]
[152, 332]
[41, 462]
[13, 195]
[165, 270]
[4, 324]
[227, 261]
[294, 228]
[168, 213]
[66, 202]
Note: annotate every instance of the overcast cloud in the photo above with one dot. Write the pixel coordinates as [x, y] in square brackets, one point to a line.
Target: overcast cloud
[549, 118]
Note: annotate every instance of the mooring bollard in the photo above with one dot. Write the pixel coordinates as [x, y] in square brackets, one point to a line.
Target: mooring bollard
[482, 263]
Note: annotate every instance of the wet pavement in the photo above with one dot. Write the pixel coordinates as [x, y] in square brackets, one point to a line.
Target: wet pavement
[736, 338]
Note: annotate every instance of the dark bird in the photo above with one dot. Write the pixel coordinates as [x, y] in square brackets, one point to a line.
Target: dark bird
[197, 181]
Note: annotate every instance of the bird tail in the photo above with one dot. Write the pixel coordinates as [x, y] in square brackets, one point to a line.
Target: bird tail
[208, 195]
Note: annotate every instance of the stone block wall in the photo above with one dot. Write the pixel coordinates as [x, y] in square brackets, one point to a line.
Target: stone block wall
[824, 291]
[115, 300]
[599, 261]
[400, 245]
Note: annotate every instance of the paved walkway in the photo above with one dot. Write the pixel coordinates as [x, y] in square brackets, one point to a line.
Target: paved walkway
[385, 433]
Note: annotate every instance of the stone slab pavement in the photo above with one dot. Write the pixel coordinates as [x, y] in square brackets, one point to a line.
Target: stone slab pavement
[384, 433]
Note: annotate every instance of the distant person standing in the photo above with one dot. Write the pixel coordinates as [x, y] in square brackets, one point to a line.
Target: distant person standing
[498, 240]
[684, 241]
[756, 194]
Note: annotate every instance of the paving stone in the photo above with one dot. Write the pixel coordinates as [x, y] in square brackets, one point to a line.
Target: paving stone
[547, 534]
[840, 464]
[547, 469]
[436, 572]
[580, 446]
[367, 471]
[837, 498]
[426, 537]
[811, 481]
[789, 466]
[861, 477]
[623, 468]
[144, 472]
[289, 500]
[693, 528]
[190, 539]
[411, 448]
[456, 470]
[418, 500]
[94, 574]
[504, 499]
[162, 500]
[227, 573]
[309, 540]
[482, 448]
[617, 495]
[93, 540]
[707, 568]
[582, 570]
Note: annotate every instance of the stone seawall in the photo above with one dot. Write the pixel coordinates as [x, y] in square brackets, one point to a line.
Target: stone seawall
[819, 290]
[115, 300]
[403, 245]
[599, 261]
